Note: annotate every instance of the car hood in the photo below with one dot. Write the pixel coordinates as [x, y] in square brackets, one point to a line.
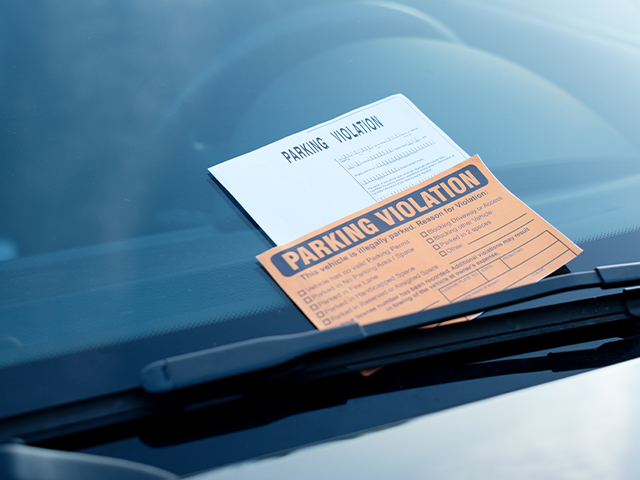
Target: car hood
[581, 427]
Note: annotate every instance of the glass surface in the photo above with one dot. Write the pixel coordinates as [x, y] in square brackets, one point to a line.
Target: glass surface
[111, 112]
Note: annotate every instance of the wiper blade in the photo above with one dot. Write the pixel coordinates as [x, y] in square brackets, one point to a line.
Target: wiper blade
[220, 363]
[612, 276]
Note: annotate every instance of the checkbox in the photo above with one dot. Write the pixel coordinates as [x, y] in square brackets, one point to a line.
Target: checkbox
[423, 234]
[320, 314]
[443, 254]
[302, 293]
[314, 307]
[326, 321]
[436, 247]
[307, 299]
[429, 240]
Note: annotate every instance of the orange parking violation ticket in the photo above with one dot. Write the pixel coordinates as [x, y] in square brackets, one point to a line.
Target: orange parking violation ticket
[458, 235]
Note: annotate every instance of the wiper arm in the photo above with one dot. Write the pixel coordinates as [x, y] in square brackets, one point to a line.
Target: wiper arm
[220, 363]
[265, 404]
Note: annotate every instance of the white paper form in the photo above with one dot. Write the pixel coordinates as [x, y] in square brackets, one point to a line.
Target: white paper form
[312, 178]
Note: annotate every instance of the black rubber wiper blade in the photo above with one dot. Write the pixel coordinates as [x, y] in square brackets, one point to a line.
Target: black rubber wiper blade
[612, 276]
[254, 355]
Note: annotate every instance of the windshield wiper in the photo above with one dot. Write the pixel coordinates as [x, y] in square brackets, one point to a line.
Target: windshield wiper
[392, 340]
[259, 379]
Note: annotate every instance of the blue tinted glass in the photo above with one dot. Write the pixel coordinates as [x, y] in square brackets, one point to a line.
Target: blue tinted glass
[111, 112]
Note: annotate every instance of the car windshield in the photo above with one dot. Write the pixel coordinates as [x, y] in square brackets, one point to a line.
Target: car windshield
[113, 232]
[111, 112]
